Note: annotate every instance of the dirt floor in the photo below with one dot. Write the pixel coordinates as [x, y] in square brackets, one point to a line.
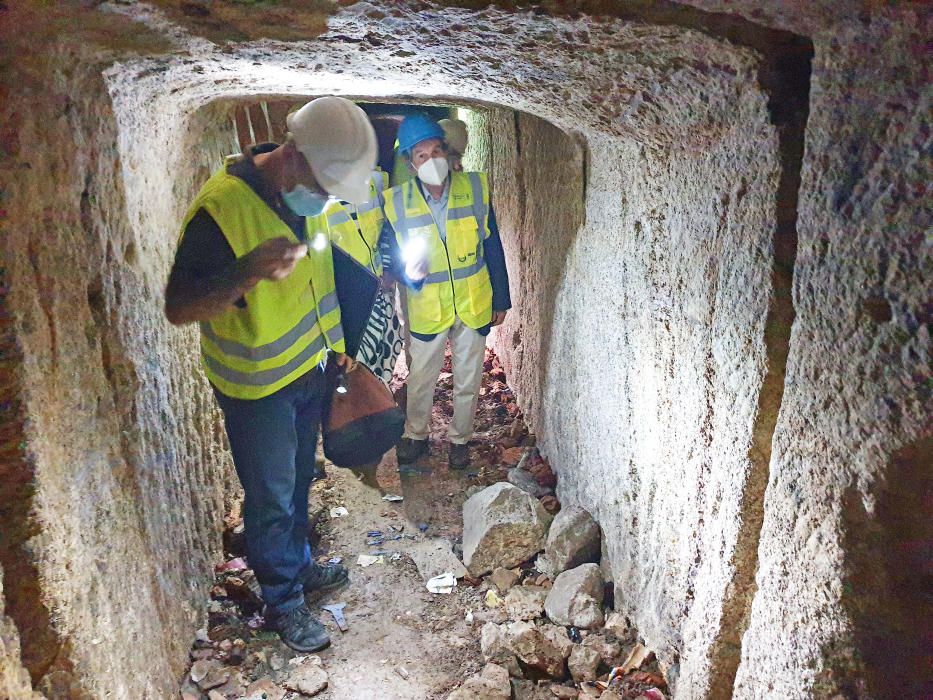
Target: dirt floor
[403, 641]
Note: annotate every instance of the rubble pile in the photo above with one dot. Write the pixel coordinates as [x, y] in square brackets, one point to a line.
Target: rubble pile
[546, 624]
[535, 613]
[235, 657]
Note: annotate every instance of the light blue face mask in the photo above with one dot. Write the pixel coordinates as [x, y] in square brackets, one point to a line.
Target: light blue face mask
[304, 202]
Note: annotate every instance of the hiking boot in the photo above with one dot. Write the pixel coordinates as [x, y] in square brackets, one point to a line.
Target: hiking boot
[319, 580]
[409, 450]
[459, 456]
[299, 629]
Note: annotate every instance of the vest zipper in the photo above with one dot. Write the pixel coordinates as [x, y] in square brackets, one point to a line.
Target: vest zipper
[372, 260]
[450, 272]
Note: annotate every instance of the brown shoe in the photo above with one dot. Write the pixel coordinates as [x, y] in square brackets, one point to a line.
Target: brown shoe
[459, 456]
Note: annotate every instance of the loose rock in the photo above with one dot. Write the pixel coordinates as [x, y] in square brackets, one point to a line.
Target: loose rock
[545, 649]
[276, 662]
[484, 615]
[502, 526]
[494, 644]
[610, 652]
[541, 470]
[616, 625]
[214, 678]
[583, 663]
[525, 602]
[526, 482]
[572, 540]
[492, 683]
[562, 691]
[309, 678]
[200, 668]
[434, 557]
[504, 578]
[576, 598]
[551, 504]
[264, 689]
[637, 656]
[611, 694]
[529, 690]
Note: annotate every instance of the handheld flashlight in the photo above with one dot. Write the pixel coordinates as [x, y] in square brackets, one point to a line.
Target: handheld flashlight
[319, 242]
[415, 249]
[341, 384]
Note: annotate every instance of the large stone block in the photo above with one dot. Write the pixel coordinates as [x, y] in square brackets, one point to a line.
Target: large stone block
[573, 539]
[577, 598]
[502, 526]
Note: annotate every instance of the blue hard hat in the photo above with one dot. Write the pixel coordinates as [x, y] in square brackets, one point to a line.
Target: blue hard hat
[417, 128]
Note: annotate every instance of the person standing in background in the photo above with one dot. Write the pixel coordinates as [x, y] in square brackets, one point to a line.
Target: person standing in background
[458, 284]
[455, 135]
[359, 230]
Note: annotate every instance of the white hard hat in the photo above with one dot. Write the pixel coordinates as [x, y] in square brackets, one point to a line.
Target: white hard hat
[455, 133]
[338, 141]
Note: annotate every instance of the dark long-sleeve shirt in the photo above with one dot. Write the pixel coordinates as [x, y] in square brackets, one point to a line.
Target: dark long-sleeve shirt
[204, 251]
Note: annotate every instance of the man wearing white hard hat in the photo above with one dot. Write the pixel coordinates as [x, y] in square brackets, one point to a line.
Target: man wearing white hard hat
[254, 269]
[455, 134]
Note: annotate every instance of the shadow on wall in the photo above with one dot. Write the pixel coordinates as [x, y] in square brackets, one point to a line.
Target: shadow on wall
[888, 583]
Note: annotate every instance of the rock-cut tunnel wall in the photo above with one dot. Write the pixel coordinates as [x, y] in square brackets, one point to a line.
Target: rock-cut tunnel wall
[749, 474]
[654, 209]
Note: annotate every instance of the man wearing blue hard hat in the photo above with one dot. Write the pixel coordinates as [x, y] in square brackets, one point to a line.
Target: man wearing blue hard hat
[458, 284]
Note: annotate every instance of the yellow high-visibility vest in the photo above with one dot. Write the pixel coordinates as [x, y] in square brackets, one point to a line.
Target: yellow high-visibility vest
[458, 283]
[287, 325]
[360, 238]
[400, 172]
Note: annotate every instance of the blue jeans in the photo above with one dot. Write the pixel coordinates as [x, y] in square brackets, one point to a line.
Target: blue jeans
[274, 445]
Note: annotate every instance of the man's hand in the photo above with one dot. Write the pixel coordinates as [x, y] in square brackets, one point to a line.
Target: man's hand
[273, 260]
[498, 317]
[345, 361]
[416, 270]
[189, 299]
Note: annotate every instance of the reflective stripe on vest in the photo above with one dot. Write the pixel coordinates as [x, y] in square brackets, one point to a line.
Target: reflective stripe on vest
[278, 346]
[477, 210]
[264, 378]
[287, 325]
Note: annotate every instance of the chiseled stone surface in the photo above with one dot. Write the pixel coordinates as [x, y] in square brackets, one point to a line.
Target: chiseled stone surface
[677, 248]
[683, 348]
[641, 250]
[851, 452]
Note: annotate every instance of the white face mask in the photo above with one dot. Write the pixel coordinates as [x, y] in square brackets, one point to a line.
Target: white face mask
[434, 171]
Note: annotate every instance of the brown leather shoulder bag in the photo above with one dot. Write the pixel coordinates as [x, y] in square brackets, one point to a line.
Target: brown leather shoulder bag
[361, 420]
